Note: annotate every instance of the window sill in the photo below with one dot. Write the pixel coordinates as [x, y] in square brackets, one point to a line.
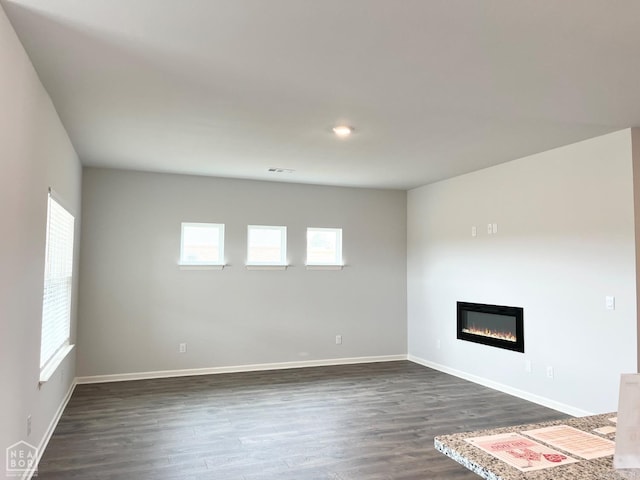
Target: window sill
[54, 363]
[325, 267]
[267, 267]
[190, 266]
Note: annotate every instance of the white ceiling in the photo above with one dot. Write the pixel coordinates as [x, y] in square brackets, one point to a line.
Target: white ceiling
[434, 88]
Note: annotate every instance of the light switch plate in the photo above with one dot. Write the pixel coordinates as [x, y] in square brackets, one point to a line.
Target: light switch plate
[610, 302]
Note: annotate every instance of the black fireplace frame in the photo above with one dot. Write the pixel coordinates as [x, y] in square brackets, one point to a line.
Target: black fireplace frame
[516, 312]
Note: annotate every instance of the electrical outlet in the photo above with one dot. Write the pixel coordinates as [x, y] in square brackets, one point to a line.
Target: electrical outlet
[183, 348]
[438, 344]
[527, 366]
[550, 372]
[338, 339]
[28, 425]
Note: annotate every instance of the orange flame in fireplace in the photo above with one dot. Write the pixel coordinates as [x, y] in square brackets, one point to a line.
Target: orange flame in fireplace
[485, 332]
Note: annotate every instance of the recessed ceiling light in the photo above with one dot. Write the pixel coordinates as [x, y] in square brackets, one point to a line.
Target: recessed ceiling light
[343, 130]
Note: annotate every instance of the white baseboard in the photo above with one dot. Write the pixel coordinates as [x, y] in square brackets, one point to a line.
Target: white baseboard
[235, 369]
[122, 377]
[49, 432]
[561, 407]
[545, 402]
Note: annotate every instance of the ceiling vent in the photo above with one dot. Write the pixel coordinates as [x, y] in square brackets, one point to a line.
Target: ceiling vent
[281, 170]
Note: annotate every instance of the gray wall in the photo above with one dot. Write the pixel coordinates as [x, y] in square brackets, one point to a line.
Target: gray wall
[35, 153]
[565, 241]
[137, 305]
[635, 140]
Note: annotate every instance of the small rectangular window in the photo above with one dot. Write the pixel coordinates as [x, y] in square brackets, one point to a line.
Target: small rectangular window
[266, 245]
[58, 283]
[202, 244]
[324, 246]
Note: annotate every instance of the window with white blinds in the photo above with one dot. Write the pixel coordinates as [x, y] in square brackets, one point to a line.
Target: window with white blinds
[56, 305]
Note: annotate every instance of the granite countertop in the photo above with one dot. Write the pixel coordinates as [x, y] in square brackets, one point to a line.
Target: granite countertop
[490, 468]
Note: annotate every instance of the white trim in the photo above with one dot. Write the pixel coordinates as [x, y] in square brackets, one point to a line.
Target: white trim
[237, 368]
[324, 267]
[286, 365]
[531, 397]
[266, 267]
[50, 429]
[210, 266]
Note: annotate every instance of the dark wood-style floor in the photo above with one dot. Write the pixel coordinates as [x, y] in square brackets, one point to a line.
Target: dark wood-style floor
[354, 422]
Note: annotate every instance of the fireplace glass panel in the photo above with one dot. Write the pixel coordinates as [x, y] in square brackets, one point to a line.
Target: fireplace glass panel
[493, 325]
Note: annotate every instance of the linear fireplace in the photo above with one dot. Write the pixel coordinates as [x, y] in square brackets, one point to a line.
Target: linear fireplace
[494, 325]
